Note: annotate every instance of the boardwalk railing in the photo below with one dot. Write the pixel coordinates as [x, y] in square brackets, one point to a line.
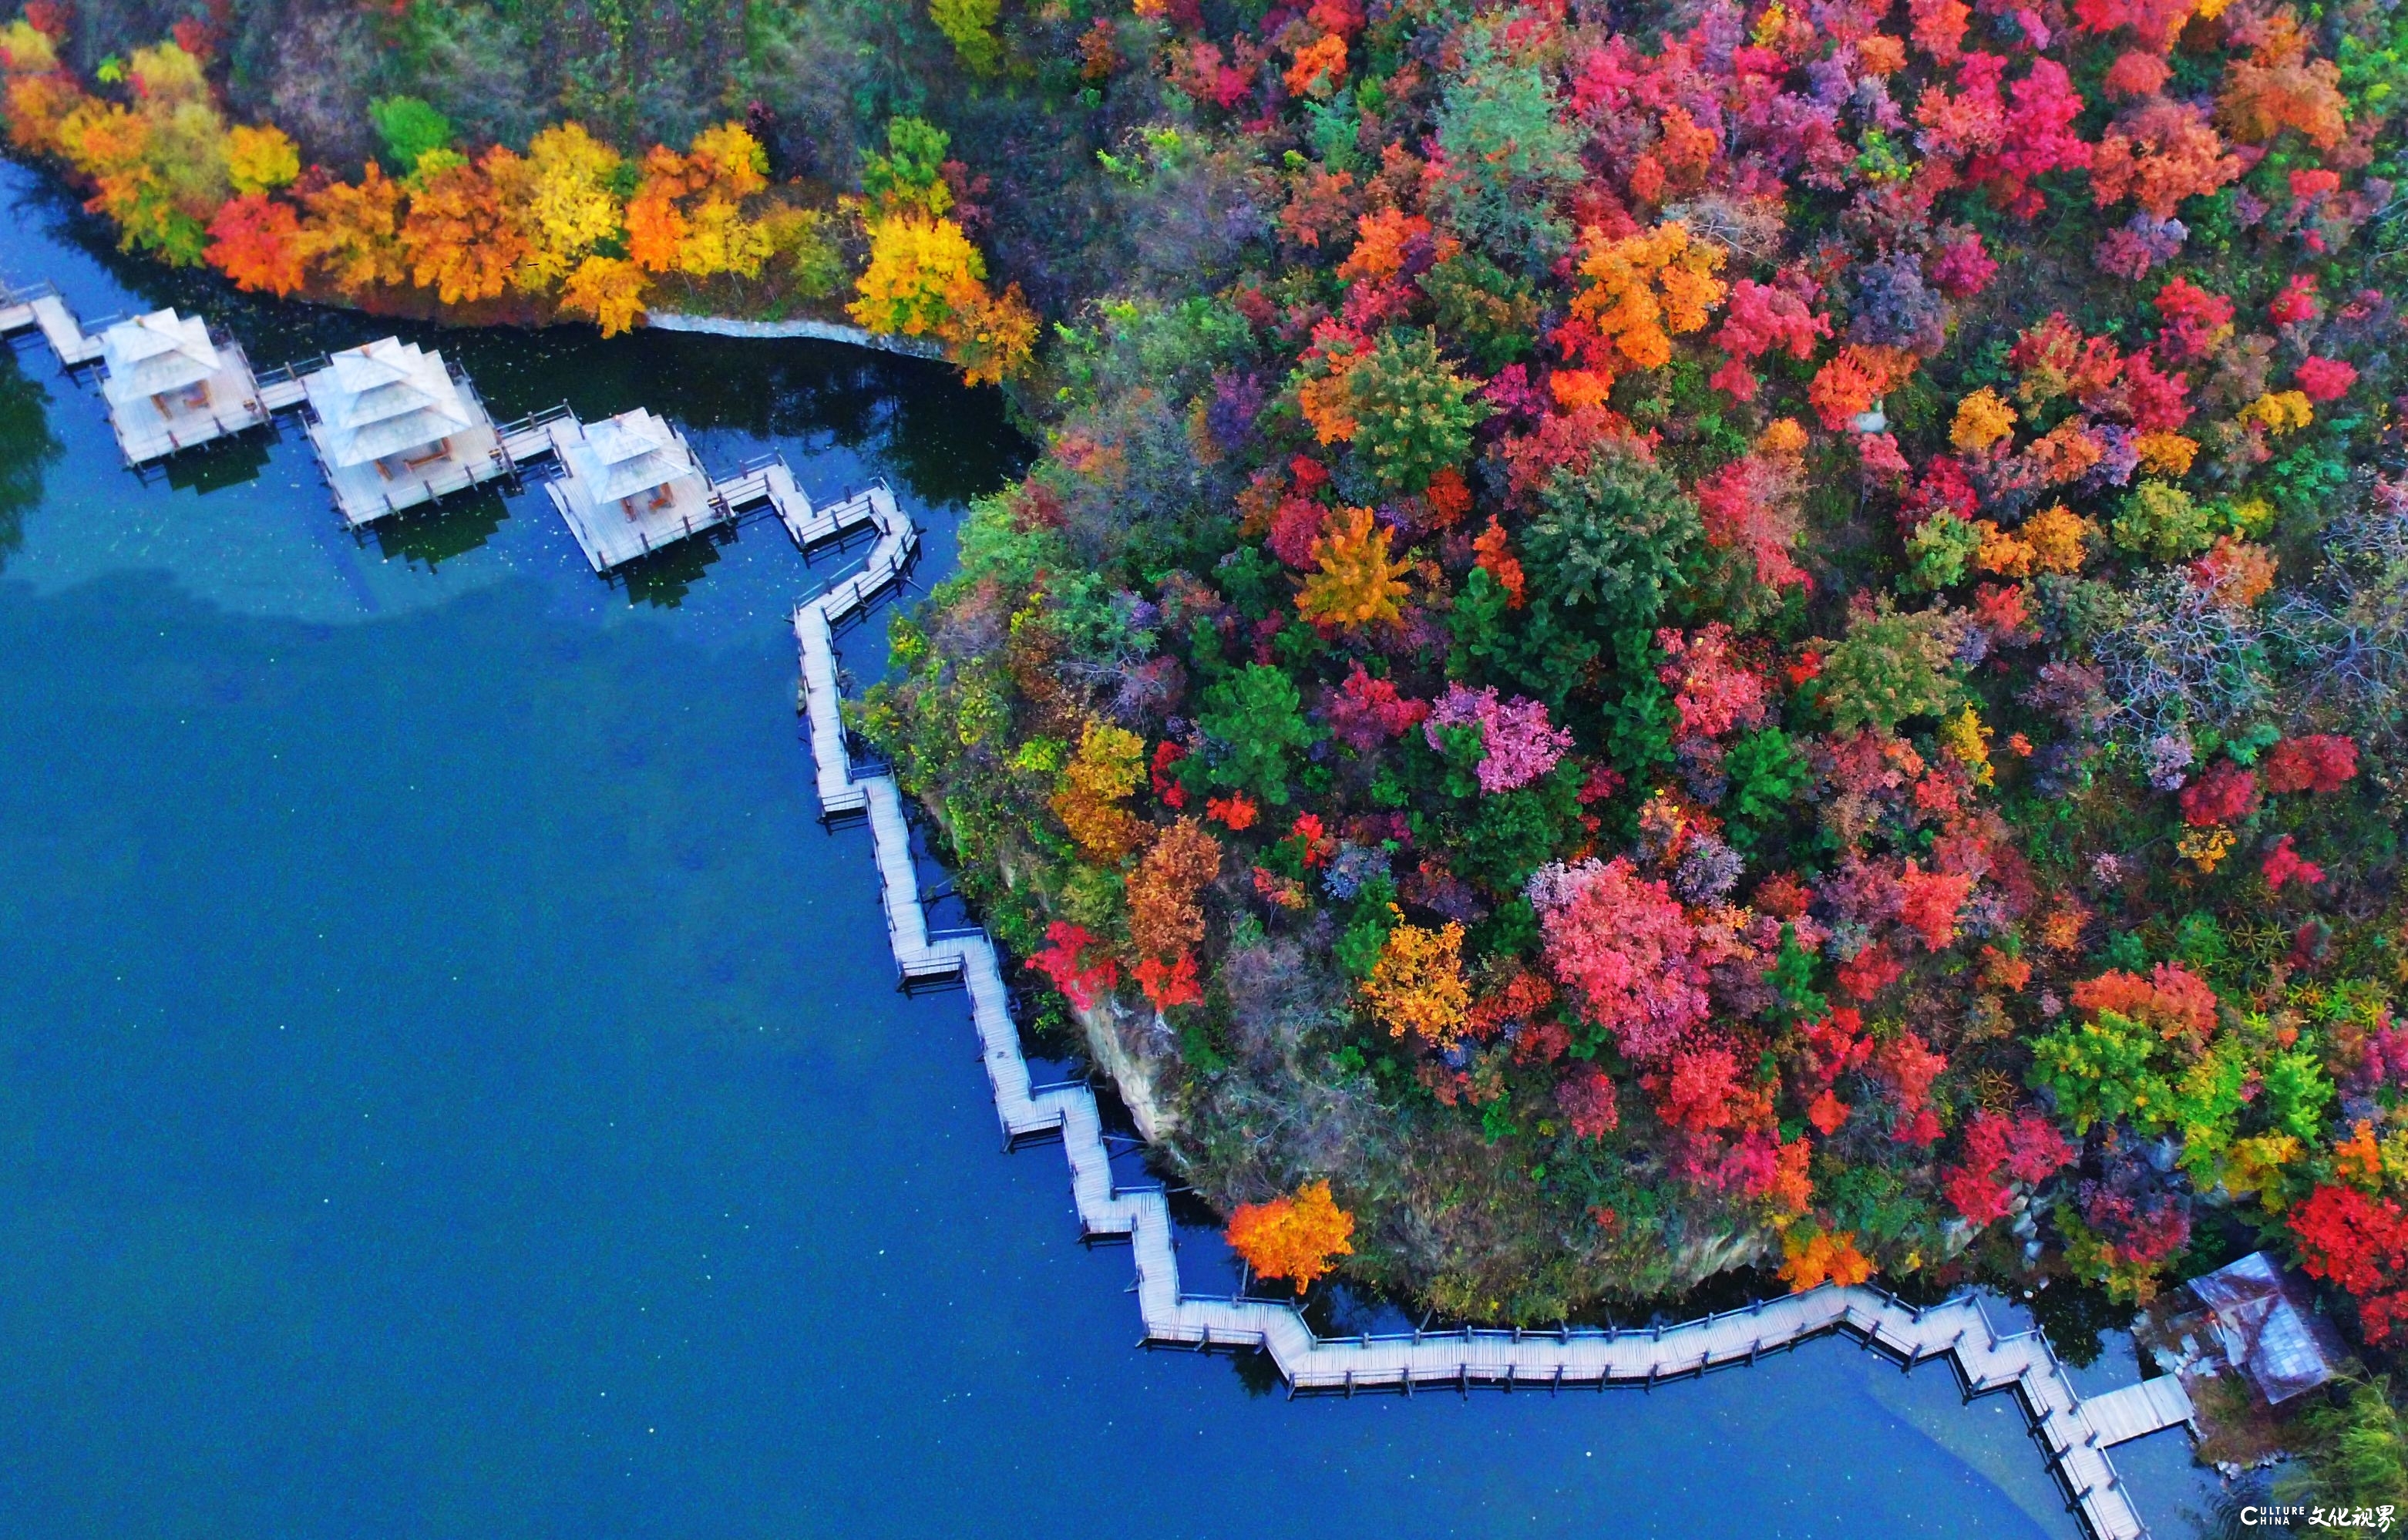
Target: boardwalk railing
[1956, 1329]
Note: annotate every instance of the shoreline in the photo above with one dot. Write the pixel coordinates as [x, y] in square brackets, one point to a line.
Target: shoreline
[812, 331]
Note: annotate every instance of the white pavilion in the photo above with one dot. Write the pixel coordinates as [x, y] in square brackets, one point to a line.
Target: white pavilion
[395, 429]
[632, 486]
[170, 385]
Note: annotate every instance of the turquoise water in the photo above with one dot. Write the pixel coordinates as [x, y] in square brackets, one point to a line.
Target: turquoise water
[454, 1087]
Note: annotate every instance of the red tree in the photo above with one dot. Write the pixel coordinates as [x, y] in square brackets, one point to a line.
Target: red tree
[256, 241]
[2321, 762]
[2360, 1245]
[2226, 792]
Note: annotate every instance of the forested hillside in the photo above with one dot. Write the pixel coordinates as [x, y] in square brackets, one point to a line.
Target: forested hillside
[1650, 637]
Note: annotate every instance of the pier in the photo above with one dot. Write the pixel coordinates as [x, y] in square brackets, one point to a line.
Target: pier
[40, 306]
[395, 427]
[2075, 1432]
[171, 384]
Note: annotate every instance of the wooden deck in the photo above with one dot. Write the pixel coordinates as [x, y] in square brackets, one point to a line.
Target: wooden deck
[2075, 1432]
[608, 545]
[2138, 1410]
[40, 306]
[144, 434]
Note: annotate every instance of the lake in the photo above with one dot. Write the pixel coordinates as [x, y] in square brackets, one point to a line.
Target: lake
[453, 1086]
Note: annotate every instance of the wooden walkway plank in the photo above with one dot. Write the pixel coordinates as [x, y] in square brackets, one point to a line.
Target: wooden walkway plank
[63, 332]
[2138, 1410]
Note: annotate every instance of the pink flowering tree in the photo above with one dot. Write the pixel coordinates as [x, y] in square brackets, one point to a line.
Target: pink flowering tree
[1517, 744]
[1625, 950]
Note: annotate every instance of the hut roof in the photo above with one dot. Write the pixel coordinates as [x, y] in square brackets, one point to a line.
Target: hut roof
[154, 354]
[385, 398]
[2267, 1327]
[630, 453]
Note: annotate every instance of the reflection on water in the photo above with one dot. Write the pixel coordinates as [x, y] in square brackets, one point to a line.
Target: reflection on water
[432, 535]
[214, 466]
[27, 448]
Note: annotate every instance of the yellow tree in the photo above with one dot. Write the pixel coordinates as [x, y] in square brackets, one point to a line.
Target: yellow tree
[917, 266]
[562, 201]
[26, 49]
[992, 337]
[1089, 795]
[687, 213]
[353, 232]
[188, 135]
[1355, 583]
[38, 105]
[720, 239]
[969, 26]
[260, 158]
[112, 146]
[732, 161]
[158, 168]
[609, 290]
[1417, 984]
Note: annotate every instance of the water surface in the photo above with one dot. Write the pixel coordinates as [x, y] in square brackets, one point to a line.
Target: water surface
[453, 1087]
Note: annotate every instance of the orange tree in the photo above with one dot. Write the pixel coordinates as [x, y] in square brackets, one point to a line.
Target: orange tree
[1298, 1237]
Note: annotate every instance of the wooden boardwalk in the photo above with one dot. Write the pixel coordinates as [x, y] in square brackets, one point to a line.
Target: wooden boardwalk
[2137, 1410]
[40, 306]
[143, 433]
[2075, 1432]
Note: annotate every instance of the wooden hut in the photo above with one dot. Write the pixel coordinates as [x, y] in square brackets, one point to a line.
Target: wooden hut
[632, 485]
[394, 427]
[170, 385]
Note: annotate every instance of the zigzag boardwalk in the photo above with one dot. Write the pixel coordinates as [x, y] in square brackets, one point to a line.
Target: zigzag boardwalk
[1957, 1330]
[2076, 1436]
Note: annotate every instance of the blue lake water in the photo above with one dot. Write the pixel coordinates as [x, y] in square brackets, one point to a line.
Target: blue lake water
[451, 1086]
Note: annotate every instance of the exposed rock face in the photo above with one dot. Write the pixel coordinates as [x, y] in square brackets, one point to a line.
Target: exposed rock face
[1700, 1257]
[1133, 1046]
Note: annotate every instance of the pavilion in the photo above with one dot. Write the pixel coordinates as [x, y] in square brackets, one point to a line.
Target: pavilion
[632, 485]
[170, 385]
[395, 427]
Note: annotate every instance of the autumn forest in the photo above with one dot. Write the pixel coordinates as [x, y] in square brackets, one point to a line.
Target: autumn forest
[1652, 639]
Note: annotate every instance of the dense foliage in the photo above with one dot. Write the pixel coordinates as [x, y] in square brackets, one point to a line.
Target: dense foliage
[568, 227]
[1652, 635]
[1698, 634]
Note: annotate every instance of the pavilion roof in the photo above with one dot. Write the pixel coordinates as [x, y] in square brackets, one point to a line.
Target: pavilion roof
[2267, 1325]
[633, 453]
[386, 398]
[154, 354]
